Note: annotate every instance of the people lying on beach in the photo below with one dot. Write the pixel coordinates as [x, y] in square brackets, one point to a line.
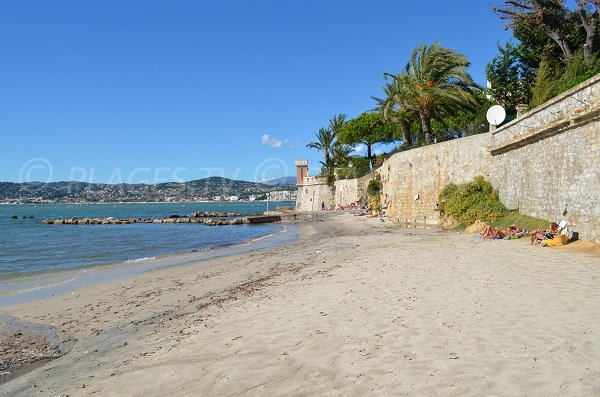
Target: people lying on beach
[351, 206]
[489, 233]
[511, 232]
[537, 236]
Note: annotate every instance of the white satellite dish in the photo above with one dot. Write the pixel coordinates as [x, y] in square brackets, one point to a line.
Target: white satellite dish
[495, 115]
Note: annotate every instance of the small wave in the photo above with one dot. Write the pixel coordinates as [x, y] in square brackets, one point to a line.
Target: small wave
[30, 287]
[140, 260]
[254, 240]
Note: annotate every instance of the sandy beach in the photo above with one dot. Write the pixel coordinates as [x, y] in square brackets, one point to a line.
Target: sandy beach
[355, 307]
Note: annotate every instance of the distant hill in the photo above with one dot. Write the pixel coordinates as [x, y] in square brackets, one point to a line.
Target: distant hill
[286, 180]
[102, 192]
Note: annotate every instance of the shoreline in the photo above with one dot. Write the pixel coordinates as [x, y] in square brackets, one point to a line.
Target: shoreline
[18, 289]
[355, 306]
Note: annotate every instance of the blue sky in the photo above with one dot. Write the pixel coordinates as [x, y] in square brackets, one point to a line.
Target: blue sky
[139, 91]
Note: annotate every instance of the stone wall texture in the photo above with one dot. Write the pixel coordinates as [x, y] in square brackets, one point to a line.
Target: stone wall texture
[412, 179]
[349, 191]
[313, 194]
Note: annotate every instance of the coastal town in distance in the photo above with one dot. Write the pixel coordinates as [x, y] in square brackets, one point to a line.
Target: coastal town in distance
[203, 190]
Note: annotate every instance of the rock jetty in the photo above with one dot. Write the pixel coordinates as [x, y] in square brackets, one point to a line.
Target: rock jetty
[202, 214]
[175, 219]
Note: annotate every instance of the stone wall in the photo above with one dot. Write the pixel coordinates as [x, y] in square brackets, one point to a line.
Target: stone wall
[349, 191]
[412, 179]
[547, 163]
[313, 194]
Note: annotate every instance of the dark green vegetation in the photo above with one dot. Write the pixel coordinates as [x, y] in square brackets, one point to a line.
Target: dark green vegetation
[469, 202]
[434, 83]
[478, 201]
[368, 129]
[374, 186]
[101, 192]
[556, 47]
[355, 167]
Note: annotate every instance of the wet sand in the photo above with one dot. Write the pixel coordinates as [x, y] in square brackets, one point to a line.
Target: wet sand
[355, 307]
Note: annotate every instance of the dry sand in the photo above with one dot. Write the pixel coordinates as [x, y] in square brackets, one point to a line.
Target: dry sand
[356, 307]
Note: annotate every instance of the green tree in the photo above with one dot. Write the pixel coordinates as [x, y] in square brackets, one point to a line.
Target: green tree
[326, 143]
[437, 81]
[556, 49]
[340, 154]
[511, 76]
[397, 105]
[464, 122]
[568, 29]
[368, 129]
[336, 123]
[549, 17]
[545, 86]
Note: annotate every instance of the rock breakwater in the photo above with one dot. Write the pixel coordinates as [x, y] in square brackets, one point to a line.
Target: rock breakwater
[209, 220]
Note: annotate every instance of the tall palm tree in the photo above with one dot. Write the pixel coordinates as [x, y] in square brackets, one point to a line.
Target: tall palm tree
[397, 105]
[336, 123]
[437, 80]
[326, 142]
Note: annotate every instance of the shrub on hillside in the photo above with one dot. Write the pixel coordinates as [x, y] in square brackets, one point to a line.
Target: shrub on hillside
[469, 202]
[577, 71]
[545, 86]
[554, 77]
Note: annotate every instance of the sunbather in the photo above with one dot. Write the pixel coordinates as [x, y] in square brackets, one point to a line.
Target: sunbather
[537, 235]
[512, 231]
[489, 233]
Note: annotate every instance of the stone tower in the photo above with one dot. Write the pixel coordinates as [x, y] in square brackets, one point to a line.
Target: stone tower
[301, 171]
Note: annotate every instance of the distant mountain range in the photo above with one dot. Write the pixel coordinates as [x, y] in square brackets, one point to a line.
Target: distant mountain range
[207, 188]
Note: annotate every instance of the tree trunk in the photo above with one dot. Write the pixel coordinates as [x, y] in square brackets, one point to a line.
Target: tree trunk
[561, 41]
[369, 156]
[405, 125]
[327, 163]
[426, 124]
[590, 32]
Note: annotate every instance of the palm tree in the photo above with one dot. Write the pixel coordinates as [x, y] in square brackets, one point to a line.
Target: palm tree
[326, 142]
[340, 154]
[336, 123]
[436, 80]
[397, 106]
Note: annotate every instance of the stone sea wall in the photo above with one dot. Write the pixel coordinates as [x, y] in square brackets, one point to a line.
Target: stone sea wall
[315, 194]
[412, 179]
[349, 191]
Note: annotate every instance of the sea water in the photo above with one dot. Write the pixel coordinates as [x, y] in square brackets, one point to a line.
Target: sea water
[29, 247]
